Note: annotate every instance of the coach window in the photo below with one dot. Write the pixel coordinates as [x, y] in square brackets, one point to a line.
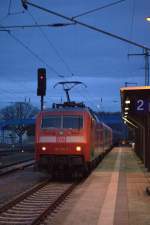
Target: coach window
[49, 122]
[73, 122]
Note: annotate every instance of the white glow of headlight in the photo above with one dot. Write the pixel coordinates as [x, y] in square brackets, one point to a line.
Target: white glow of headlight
[78, 148]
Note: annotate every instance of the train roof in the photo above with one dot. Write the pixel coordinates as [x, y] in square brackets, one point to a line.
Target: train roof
[69, 106]
[75, 108]
[67, 109]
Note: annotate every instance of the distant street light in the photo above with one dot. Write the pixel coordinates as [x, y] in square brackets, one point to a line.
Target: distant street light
[148, 19]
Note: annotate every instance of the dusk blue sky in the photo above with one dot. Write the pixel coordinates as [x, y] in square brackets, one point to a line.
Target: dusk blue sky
[101, 62]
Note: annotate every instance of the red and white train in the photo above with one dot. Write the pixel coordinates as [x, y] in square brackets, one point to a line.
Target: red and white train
[70, 137]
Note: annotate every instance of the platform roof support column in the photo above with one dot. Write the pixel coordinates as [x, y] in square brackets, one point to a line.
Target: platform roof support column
[147, 143]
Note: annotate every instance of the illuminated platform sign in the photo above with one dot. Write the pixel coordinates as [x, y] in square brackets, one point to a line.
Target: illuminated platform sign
[141, 105]
[136, 100]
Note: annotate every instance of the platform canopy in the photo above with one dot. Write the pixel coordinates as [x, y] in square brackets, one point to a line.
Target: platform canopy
[135, 102]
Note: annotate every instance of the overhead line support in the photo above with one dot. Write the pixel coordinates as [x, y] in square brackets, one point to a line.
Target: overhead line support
[146, 57]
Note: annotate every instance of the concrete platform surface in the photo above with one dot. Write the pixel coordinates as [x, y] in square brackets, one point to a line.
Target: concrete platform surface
[114, 194]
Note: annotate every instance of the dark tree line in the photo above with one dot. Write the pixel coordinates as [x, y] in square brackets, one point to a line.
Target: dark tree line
[19, 111]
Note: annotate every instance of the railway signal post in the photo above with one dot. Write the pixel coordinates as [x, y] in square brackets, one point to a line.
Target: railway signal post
[41, 89]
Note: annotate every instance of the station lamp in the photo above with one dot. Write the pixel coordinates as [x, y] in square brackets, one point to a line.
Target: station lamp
[127, 101]
[126, 106]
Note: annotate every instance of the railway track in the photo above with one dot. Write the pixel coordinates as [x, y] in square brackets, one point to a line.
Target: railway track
[16, 166]
[32, 207]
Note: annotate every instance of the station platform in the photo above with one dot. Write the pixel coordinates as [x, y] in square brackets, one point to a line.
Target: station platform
[114, 194]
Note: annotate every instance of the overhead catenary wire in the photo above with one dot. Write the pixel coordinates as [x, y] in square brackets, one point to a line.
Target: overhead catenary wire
[12, 91]
[98, 8]
[9, 93]
[4, 17]
[145, 51]
[13, 13]
[24, 45]
[25, 3]
[32, 52]
[132, 22]
[52, 45]
[131, 29]
[9, 7]
[36, 25]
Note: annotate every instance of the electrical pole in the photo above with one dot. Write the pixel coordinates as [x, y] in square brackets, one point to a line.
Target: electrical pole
[146, 57]
[146, 67]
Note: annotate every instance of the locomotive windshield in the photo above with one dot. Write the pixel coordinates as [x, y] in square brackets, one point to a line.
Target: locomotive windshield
[65, 121]
[74, 122]
[51, 122]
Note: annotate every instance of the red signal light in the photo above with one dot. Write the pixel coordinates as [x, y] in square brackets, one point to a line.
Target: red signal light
[41, 77]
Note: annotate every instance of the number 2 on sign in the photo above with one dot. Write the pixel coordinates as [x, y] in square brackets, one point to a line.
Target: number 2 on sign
[140, 105]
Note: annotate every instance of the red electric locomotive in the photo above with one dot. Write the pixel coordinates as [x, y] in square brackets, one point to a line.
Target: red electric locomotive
[70, 137]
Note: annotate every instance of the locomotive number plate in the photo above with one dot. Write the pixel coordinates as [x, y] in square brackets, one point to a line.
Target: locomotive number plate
[61, 139]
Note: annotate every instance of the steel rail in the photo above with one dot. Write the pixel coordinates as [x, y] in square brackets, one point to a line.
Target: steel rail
[33, 206]
[55, 204]
[22, 196]
[16, 166]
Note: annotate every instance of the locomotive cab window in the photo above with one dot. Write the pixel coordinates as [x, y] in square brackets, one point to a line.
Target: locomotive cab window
[49, 122]
[73, 122]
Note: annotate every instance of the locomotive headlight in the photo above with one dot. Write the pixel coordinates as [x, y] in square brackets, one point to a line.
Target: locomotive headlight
[78, 148]
[43, 148]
